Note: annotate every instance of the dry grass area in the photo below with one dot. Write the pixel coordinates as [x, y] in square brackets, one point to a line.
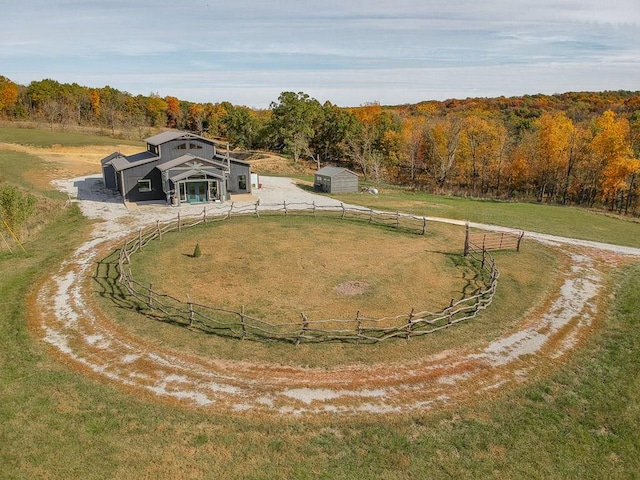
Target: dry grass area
[288, 276]
[279, 267]
[65, 161]
[270, 164]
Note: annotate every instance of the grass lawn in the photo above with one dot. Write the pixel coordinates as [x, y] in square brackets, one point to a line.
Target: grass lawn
[577, 420]
[48, 138]
[570, 222]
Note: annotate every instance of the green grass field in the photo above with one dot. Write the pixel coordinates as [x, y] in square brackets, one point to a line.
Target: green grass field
[578, 420]
[570, 222]
[48, 138]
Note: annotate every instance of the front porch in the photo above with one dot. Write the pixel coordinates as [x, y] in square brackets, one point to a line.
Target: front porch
[197, 187]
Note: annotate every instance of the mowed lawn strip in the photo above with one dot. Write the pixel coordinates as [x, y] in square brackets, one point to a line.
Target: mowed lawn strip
[565, 221]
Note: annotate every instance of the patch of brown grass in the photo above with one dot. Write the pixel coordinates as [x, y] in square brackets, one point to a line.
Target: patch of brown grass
[279, 268]
[521, 290]
[270, 164]
[66, 162]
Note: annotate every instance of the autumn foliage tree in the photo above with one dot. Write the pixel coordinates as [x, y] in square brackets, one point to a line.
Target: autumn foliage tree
[580, 148]
[553, 136]
[613, 165]
[8, 95]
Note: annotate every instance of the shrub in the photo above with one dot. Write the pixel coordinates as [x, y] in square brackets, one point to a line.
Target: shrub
[196, 251]
[15, 206]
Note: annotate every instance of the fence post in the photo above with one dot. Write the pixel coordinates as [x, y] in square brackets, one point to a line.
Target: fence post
[140, 239]
[314, 208]
[257, 203]
[484, 254]
[424, 225]
[150, 301]
[370, 215]
[519, 240]
[466, 239]
[358, 327]
[284, 203]
[179, 222]
[191, 313]
[305, 326]
[204, 214]
[230, 209]
[343, 210]
[397, 219]
[410, 324]
[244, 327]
[158, 229]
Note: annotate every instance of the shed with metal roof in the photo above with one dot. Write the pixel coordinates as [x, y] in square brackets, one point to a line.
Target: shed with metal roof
[336, 180]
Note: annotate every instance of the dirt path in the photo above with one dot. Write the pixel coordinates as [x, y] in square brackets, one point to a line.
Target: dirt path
[81, 335]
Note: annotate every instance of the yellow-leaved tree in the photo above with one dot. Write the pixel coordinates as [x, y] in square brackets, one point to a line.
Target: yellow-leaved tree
[612, 163]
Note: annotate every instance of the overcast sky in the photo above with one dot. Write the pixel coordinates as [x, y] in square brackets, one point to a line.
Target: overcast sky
[346, 51]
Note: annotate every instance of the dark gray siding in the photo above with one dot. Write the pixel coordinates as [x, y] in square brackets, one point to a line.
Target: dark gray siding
[142, 172]
[238, 170]
[170, 150]
[109, 176]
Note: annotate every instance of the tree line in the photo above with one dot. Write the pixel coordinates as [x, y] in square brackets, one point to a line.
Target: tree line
[579, 148]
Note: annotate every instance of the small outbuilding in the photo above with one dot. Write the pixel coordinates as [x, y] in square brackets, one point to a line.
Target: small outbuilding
[336, 180]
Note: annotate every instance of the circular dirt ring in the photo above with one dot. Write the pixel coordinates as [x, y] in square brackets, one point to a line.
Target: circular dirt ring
[80, 333]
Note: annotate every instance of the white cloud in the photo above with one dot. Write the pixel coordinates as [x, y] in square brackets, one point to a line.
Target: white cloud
[362, 50]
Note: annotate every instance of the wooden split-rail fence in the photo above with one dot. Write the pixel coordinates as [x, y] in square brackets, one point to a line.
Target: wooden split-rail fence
[491, 241]
[358, 329]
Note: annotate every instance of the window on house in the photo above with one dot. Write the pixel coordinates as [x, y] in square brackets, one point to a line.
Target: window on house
[144, 185]
[182, 146]
[195, 146]
[213, 190]
[242, 182]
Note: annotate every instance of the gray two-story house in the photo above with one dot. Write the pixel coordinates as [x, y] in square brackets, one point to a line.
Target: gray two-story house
[177, 167]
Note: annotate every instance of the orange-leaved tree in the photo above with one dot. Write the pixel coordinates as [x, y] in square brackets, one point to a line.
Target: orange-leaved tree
[612, 161]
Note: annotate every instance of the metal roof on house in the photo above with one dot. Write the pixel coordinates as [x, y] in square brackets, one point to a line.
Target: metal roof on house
[223, 159]
[121, 162]
[331, 171]
[187, 157]
[107, 159]
[165, 137]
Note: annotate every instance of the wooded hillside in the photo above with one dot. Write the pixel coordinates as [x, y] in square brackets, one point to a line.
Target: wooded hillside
[580, 148]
